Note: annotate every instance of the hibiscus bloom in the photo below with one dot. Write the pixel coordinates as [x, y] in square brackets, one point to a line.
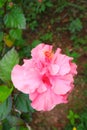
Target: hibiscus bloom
[47, 77]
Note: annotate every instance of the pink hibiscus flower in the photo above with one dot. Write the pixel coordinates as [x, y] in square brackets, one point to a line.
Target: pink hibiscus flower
[47, 77]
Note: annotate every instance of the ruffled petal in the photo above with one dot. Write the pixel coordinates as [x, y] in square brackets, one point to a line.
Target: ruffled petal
[53, 68]
[64, 65]
[73, 68]
[47, 101]
[42, 88]
[63, 62]
[18, 78]
[62, 85]
[40, 50]
[25, 81]
[28, 64]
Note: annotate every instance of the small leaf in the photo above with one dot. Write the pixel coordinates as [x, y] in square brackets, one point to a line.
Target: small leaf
[76, 116]
[15, 121]
[81, 127]
[7, 63]
[6, 125]
[71, 114]
[15, 33]
[4, 92]
[72, 121]
[5, 108]
[23, 128]
[15, 19]
[43, 7]
[49, 4]
[13, 128]
[75, 25]
[8, 41]
[22, 103]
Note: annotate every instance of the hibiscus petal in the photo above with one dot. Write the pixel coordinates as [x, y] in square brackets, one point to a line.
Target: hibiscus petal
[54, 68]
[65, 66]
[39, 51]
[18, 77]
[73, 68]
[28, 64]
[61, 86]
[55, 57]
[33, 95]
[25, 81]
[63, 62]
[42, 88]
[47, 101]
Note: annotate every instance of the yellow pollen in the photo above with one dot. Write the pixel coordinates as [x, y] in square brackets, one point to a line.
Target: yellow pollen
[48, 54]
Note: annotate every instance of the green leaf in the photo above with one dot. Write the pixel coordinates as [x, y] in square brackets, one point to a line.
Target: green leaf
[47, 37]
[22, 103]
[76, 116]
[35, 43]
[2, 2]
[15, 19]
[15, 121]
[6, 125]
[81, 127]
[4, 92]
[72, 117]
[7, 63]
[49, 4]
[43, 7]
[1, 36]
[13, 128]
[1, 127]
[75, 25]
[19, 128]
[23, 128]
[5, 108]
[15, 33]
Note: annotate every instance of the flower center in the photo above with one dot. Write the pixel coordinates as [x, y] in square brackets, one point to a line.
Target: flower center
[48, 54]
[46, 80]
